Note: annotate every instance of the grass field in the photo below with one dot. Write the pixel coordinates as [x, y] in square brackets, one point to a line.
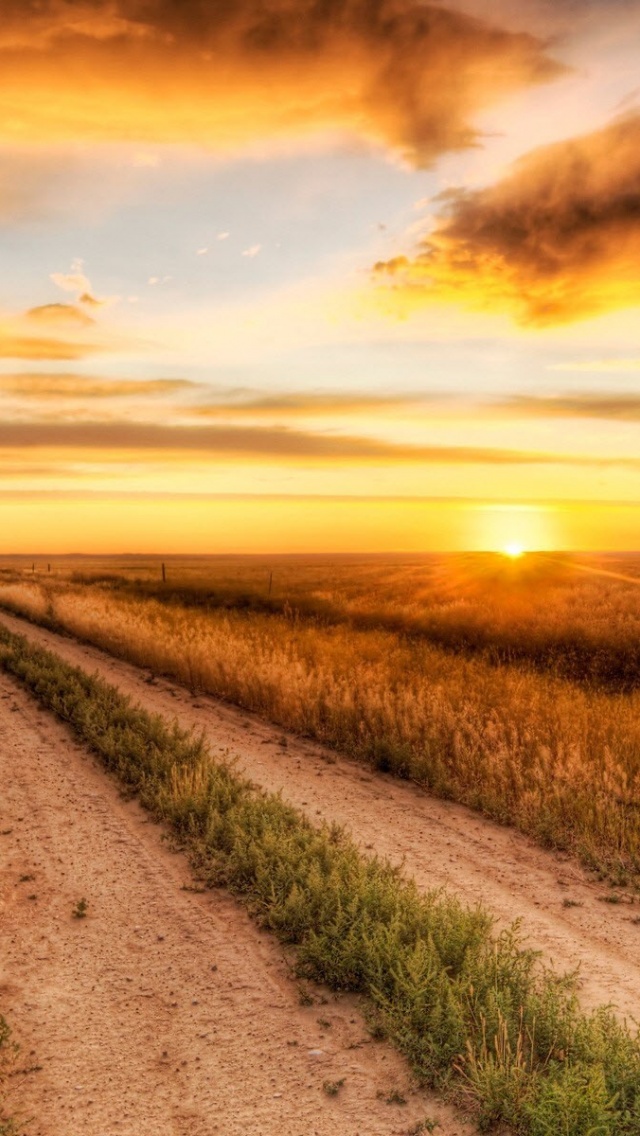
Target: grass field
[578, 617]
[509, 686]
[476, 1015]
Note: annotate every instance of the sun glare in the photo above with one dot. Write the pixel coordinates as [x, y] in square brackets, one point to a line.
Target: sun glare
[513, 530]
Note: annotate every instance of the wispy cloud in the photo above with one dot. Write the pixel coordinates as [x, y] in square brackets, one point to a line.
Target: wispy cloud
[76, 281]
[16, 346]
[598, 366]
[35, 471]
[619, 407]
[45, 387]
[555, 241]
[59, 315]
[54, 332]
[214, 443]
[313, 404]
[72, 281]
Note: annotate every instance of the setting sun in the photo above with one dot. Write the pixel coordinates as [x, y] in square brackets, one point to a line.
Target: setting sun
[513, 550]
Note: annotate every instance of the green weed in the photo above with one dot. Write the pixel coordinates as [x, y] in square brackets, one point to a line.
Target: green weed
[426, 1125]
[393, 1097]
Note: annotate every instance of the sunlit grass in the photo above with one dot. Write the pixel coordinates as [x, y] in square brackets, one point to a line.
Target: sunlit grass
[560, 761]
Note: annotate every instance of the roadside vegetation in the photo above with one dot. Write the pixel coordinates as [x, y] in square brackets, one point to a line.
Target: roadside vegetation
[477, 1016]
[559, 760]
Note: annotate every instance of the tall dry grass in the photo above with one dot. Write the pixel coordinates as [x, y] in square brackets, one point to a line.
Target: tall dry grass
[541, 611]
[559, 761]
[546, 611]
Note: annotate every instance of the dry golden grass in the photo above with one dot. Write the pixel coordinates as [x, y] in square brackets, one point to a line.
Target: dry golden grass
[559, 760]
[548, 611]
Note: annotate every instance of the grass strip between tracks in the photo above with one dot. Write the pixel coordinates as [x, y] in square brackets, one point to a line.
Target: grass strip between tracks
[475, 1014]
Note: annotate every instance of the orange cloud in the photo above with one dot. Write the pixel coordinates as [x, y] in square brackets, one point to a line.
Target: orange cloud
[36, 471]
[15, 346]
[224, 443]
[310, 405]
[598, 366]
[407, 74]
[60, 314]
[69, 334]
[43, 387]
[555, 241]
[618, 407]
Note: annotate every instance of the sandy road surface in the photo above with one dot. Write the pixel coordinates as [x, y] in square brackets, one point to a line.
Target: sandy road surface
[441, 844]
[163, 1012]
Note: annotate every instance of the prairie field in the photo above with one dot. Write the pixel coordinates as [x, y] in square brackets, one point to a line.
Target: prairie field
[477, 1017]
[511, 686]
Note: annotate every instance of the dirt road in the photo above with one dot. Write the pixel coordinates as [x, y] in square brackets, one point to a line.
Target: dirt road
[163, 1012]
[439, 843]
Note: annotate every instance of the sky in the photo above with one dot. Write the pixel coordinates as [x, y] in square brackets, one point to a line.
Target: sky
[319, 275]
